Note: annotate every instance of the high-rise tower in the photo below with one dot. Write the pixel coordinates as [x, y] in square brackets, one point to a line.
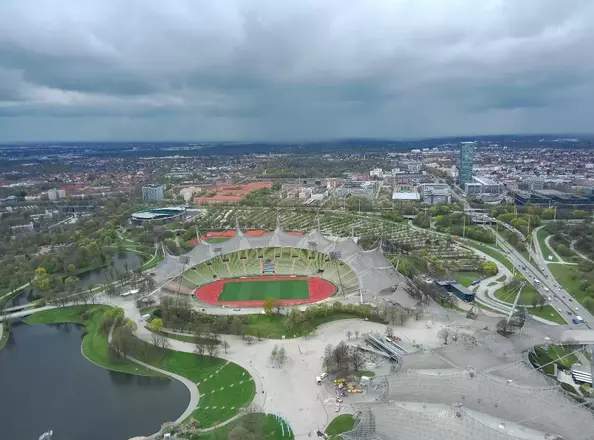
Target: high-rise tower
[466, 163]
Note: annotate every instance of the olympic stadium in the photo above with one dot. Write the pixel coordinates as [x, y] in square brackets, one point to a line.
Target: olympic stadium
[329, 266]
[479, 385]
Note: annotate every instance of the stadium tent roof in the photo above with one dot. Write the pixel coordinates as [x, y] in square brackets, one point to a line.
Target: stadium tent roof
[374, 272]
[410, 420]
[543, 408]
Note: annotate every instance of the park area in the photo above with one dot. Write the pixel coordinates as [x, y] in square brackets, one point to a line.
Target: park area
[253, 291]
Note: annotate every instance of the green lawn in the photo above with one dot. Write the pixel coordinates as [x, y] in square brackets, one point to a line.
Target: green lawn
[542, 234]
[340, 424]
[467, 278]
[95, 346]
[569, 277]
[508, 294]
[216, 240]
[554, 354]
[548, 312]
[224, 387]
[261, 290]
[271, 429]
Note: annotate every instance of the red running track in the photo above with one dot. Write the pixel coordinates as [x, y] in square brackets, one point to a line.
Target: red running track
[319, 289]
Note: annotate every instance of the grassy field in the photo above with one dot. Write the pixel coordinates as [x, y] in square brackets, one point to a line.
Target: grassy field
[467, 278]
[224, 387]
[216, 240]
[542, 234]
[271, 429]
[261, 290]
[569, 277]
[548, 312]
[508, 293]
[340, 424]
[95, 346]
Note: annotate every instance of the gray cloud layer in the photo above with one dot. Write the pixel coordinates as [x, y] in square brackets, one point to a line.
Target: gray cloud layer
[269, 69]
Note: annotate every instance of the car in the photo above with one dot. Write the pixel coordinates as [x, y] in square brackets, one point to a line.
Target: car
[570, 300]
[569, 312]
[575, 321]
[237, 309]
[560, 309]
[577, 310]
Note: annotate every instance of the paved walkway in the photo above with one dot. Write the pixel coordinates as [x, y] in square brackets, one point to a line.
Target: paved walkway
[572, 247]
[552, 251]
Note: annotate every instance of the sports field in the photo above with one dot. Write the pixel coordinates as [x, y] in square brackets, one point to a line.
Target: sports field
[251, 292]
[261, 290]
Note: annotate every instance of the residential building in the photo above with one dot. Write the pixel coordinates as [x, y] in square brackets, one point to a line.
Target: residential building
[152, 192]
[466, 163]
[55, 194]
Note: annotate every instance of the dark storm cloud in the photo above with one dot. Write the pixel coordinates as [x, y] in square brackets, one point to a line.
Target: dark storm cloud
[297, 69]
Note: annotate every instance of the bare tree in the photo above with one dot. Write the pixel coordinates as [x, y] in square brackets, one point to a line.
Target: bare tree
[444, 334]
[252, 420]
[389, 331]
[328, 361]
[200, 349]
[349, 334]
[212, 349]
[225, 345]
[274, 354]
[341, 355]
[159, 340]
[356, 334]
[356, 360]
[281, 356]
[249, 340]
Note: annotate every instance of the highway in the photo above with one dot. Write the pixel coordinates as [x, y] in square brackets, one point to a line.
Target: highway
[561, 300]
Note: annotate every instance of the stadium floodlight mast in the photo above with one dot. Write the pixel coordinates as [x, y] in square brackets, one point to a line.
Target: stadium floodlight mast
[184, 260]
[335, 256]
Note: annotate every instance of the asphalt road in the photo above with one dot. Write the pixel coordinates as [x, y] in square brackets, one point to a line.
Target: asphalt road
[543, 280]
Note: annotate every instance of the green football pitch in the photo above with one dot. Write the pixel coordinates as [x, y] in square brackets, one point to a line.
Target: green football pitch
[261, 290]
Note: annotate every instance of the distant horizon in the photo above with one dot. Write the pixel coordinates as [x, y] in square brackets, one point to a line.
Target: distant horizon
[584, 135]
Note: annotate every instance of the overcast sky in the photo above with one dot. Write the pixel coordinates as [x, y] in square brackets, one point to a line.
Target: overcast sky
[293, 70]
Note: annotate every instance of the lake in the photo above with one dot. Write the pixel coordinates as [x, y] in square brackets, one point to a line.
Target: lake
[46, 383]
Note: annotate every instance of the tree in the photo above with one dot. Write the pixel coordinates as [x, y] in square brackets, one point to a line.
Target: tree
[488, 268]
[212, 349]
[156, 324]
[349, 334]
[269, 305]
[356, 360]
[281, 356]
[252, 420]
[341, 355]
[240, 432]
[225, 345]
[274, 354]
[356, 334]
[444, 334]
[389, 331]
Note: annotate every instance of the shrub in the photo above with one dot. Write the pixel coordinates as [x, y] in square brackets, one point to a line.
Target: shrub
[85, 316]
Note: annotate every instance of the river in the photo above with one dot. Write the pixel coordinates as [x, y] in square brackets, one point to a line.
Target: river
[46, 383]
